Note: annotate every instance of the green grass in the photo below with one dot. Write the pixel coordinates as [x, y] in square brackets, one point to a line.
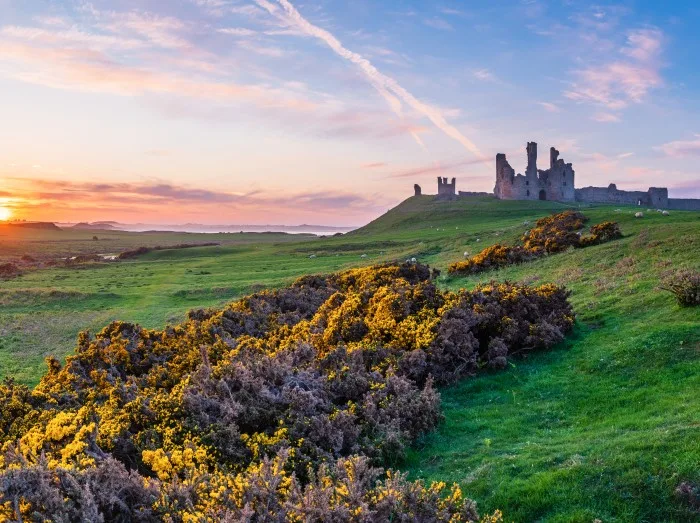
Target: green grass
[607, 425]
[604, 426]
[42, 312]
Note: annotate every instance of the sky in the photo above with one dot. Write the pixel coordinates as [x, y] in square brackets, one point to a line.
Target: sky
[328, 111]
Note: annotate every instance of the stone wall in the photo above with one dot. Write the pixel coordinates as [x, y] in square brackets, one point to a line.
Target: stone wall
[610, 194]
[472, 193]
[684, 204]
[656, 197]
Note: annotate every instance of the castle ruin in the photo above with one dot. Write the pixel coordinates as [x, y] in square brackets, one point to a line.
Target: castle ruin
[557, 184]
[447, 191]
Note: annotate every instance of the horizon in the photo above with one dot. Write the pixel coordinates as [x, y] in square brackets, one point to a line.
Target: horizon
[283, 113]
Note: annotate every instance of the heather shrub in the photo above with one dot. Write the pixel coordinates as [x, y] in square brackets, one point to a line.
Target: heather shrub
[685, 286]
[106, 492]
[689, 493]
[551, 234]
[280, 405]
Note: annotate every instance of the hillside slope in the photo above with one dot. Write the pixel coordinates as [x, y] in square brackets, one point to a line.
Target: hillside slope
[607, 427]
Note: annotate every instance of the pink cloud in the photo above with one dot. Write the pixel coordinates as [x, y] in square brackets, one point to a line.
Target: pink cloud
[86, 60]
[64, 200]
[550, 107]
[72, 36]
[623, 81]
[644, 45]
[681, 148]
[161, 31]
[439, 168]
[88, 70]
[605, 117]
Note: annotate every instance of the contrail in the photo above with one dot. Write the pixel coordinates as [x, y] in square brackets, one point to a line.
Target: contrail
[389, 88]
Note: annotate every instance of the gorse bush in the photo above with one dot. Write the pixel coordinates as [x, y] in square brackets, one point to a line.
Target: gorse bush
[554, 233]
[550, 235]
[492, 257]
[685, 286]
[601, 233]
[281, 406]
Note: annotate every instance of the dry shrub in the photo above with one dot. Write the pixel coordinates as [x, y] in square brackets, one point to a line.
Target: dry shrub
[84, 258]
[568, 275]
[663, 264]
[134, 253]
[280, 404]
[105, 492]
[140, 251]
[602, 285]
[9, 270]
[685, 286]
[642, 239]
[689, 493]
[529, 279]
[552, 234]
[624, 267]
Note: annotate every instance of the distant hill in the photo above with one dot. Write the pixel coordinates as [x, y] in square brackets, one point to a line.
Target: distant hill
[101, 226]
[50, 226]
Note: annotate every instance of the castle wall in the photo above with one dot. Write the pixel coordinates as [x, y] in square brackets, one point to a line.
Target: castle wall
[524, 188]
[473, 193]
[656, 197]
[611, 195]
[684, 204]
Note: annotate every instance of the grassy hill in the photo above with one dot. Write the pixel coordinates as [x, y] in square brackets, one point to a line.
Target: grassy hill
[605, 427]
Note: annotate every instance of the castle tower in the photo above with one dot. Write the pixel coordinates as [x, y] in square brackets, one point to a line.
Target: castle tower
[446, 190]
[553, 156]
[531, 159]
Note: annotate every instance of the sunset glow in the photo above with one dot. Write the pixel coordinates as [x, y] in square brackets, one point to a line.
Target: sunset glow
[5, 214]
[282, 112]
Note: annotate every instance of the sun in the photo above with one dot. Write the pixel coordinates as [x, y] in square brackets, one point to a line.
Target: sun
[5, 213]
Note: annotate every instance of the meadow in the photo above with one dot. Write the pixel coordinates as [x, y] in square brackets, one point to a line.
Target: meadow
[604, 427]
[43, 311]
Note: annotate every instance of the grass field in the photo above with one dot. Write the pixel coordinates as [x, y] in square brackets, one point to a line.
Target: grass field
[42, 312]
[604, 427]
